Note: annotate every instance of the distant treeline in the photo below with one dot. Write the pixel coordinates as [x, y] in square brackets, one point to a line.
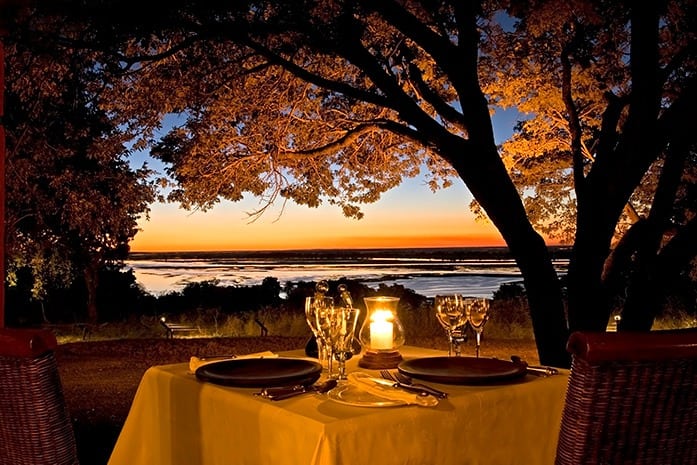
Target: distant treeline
[441, 253]
[120, 298]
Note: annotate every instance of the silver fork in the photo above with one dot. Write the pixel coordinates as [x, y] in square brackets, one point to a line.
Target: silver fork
[387, 375]
[404, 379]
[407, 381]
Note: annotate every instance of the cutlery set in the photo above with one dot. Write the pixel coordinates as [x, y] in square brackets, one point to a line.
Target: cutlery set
[402, 381]
[280, 393]
[388, 379]
[396, 380]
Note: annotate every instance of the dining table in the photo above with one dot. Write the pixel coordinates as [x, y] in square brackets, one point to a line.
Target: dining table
[178, 419]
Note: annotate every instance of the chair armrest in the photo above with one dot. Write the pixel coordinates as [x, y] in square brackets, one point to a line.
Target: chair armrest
[633, 346]
[26, 342]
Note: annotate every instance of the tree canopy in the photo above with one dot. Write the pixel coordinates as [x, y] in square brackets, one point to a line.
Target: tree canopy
[337, 101]
[72, 200]
[606, 153]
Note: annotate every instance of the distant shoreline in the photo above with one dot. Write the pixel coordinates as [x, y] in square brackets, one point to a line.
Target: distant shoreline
[493, 252]
[427, 271]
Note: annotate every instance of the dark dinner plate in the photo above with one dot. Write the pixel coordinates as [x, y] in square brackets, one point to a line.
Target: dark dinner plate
[462, 370]
[260, 372]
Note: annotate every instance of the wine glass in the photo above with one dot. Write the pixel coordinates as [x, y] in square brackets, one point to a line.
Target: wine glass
[343, 338]
[312, 305]
[326, 323]
[477, 310]
[450, 311]
[336, 326]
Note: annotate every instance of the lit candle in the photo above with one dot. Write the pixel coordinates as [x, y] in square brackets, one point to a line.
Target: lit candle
[381, 330]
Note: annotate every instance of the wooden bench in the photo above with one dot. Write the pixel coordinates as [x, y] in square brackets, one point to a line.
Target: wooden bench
[172, 328]
[263, 329]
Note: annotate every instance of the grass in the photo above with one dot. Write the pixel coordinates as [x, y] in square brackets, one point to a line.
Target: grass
[509, 321]
[417, 324]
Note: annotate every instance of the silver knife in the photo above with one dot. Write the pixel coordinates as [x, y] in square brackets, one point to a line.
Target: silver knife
[280, 393]
[406, 387]
[536, 370]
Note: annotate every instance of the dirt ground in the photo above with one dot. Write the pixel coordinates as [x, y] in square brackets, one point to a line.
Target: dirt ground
[100, 378]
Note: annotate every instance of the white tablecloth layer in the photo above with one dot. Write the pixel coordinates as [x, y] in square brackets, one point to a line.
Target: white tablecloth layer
[177, 420]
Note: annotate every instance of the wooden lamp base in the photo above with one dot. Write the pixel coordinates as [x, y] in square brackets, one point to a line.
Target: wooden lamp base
[379, 360]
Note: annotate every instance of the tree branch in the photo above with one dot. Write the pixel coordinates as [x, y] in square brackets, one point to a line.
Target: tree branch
[448, 113]
[574, 124]
[679, 116]
[608, 126]
[353, 134]
[405, 106]
[302, 73]
[448, 56]
[678, 252]
[442, 50]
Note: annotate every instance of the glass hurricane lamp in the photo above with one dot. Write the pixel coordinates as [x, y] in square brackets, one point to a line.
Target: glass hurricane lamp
[381, 334]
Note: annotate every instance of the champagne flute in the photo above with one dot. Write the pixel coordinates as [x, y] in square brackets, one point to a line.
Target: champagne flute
[477, 310]
[333, 328]
[326, 323]
[347, 301]
[343, 338]
[312, 305]
[450, 312]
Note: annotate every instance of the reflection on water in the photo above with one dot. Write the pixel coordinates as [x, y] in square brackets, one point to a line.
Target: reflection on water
[476, 272]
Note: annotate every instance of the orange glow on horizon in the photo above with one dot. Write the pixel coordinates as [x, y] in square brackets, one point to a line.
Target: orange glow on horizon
[419, 222]
[177, 231]
[380, 242]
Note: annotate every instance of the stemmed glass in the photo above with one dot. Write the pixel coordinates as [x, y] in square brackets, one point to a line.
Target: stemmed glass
[336, 326]
[450, 311]
[312, 305]
[477, 310]
[342, 342]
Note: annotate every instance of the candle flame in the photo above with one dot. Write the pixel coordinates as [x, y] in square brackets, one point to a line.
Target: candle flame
[382, 315]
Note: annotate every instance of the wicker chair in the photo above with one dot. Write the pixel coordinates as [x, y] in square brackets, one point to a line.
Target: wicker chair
[631, 399]
[35, 427]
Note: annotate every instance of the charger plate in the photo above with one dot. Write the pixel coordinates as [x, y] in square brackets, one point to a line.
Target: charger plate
[462, 370]
[353, 395]
[260, 372]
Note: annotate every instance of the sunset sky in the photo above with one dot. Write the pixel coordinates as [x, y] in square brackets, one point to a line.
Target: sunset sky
[408, 216]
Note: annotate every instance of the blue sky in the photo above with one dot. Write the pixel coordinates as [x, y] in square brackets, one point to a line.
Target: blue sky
[407, 216]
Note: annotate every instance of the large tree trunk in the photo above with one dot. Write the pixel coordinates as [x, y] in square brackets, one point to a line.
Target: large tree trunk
[647, 285]
[91, 275]
[487, 179]
[544, 297]
[619, 166]
[622, 282]
[588, 304]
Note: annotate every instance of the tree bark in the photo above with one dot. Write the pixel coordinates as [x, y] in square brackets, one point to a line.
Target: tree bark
[91, 275]
[485, 176]
[617, 170]
[545, 299]
[588, 303]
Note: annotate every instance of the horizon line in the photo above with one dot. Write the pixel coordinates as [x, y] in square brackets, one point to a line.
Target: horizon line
[326, 249]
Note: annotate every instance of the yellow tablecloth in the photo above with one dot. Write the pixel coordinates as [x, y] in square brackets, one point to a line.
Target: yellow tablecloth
[177, 420]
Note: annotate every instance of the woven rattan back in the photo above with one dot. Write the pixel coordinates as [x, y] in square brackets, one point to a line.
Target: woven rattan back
[631, 399]
[35, 427]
